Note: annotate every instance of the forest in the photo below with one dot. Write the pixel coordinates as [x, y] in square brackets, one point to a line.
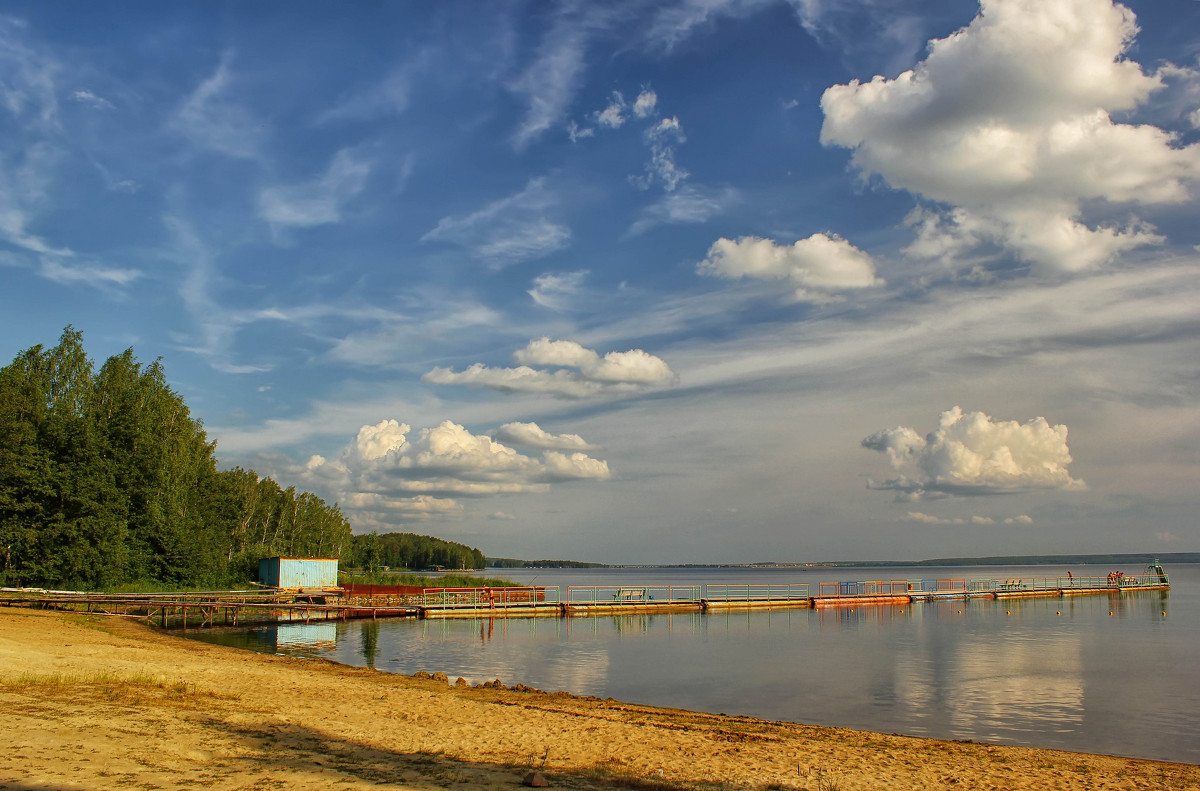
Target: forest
[372, 552]
[106, 479]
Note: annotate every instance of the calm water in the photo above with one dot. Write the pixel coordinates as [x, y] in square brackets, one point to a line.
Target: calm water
[1118, 675]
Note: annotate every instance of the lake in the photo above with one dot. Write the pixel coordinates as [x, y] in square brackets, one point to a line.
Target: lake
[1113, 674]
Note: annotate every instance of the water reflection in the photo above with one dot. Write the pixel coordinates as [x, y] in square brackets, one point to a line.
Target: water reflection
[369, 642]
[306, 637]
[1071, 673]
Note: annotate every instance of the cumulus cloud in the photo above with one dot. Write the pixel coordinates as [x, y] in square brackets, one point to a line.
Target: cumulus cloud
[531, 435]
[969, 454]
[577, 372]
[815, 268]
[520, 227]
[386, 474]
[1006, 124]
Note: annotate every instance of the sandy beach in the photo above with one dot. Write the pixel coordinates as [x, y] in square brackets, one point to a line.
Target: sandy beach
[88, 702]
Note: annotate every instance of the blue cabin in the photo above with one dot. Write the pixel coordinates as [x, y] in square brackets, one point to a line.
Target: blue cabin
[300, 573]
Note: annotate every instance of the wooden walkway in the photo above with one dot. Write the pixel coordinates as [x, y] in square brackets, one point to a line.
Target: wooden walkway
[245, 608]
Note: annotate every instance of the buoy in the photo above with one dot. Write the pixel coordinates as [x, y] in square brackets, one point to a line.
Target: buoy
[1009, 612]
[1058, 613]
[1110, 612]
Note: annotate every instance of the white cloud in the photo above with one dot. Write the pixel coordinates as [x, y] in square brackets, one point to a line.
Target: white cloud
[644, 105]
[814, 268]
[578, 372]
[97, 276]
[676, 22]
[520, 227]
[384, 476]
[613, 116]
[554, 291]
[929, 519]
[1008, 122]
[576, 132]
[27, 79]
[384, 509]
[662, 167]
[531, 435]
[32, 152]
[84, 96]
[549, 83]
[213, 120]
[317, 202]
[687, 205]
[969, 454]
[390, 96]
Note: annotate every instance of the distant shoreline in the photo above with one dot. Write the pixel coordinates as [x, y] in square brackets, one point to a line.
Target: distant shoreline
[1123, 559]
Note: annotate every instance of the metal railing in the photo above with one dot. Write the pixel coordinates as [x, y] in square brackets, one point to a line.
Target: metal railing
[864, 588]
[633, 594]
[776, 592]
[479, 598]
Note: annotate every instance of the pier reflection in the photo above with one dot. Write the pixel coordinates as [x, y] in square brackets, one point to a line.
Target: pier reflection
[1052, 672]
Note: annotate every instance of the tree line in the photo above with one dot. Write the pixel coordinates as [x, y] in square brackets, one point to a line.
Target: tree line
[106, 479]
[517, 563]
[410, 551]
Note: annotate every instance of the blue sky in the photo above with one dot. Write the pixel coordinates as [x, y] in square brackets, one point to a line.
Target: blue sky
[699, 281]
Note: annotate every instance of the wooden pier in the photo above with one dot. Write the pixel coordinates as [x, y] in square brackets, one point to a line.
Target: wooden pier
[245, 608]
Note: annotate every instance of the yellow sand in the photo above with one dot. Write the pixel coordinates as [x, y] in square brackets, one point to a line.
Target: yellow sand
[105, 703]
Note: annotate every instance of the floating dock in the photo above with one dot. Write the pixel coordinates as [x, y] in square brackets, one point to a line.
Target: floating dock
[241, 608]
[625, 599]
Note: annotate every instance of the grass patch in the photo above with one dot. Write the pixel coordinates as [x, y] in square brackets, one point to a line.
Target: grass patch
[112, 686]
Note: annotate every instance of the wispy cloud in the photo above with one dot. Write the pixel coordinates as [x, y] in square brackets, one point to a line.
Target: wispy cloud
[689, 204]
[105, 278]
[316, 202]
[556, 290]
[549, 82]
[213, 117]
[32, 150]
[675, 23]
[520, 227]
[84, 96]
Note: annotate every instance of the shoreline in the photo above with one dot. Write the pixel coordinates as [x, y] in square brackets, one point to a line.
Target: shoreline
[92, 702]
